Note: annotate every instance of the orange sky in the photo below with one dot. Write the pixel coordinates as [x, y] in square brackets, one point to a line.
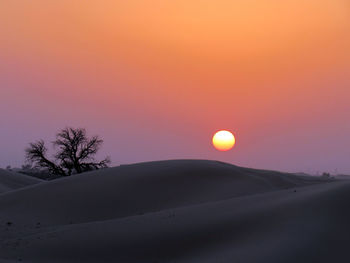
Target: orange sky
[165, 75]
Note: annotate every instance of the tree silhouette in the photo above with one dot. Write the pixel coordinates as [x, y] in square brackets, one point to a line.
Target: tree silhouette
[75, 153]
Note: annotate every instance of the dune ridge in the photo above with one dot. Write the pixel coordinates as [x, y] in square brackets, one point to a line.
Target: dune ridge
[140, 188]
[10, 180]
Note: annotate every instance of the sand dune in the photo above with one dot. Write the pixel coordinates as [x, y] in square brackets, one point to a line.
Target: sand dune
[140, 188]
[11, 180]
[177, 211]
[310, 225]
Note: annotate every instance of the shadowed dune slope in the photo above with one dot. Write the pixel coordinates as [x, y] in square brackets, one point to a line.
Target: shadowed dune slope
[11, 180]
[309, 225]
[137, 189]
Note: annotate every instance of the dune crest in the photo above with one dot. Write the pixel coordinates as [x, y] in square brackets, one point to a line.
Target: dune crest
[10, 181]
[141, 188]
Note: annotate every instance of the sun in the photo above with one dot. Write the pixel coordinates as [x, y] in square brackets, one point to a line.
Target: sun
[224, 140]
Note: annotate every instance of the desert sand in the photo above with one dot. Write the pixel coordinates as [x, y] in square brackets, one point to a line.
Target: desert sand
[11, 180]
[177, 211]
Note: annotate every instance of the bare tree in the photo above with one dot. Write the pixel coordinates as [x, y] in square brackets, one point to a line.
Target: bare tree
[75, 153]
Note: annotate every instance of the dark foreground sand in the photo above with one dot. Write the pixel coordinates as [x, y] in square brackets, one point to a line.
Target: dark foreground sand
[177, 211]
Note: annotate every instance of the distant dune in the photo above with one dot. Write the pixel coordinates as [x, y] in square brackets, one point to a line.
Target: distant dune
[177, 211]
[11, 180]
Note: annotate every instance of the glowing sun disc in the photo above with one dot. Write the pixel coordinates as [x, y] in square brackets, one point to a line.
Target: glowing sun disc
[224, 140]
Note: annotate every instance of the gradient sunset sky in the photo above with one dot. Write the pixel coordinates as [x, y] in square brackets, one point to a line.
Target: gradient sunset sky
[156, 78]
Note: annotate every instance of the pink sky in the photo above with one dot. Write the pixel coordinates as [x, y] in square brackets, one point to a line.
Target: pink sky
[155, 79]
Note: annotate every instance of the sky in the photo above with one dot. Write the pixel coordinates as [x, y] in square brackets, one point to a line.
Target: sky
[157, 78]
